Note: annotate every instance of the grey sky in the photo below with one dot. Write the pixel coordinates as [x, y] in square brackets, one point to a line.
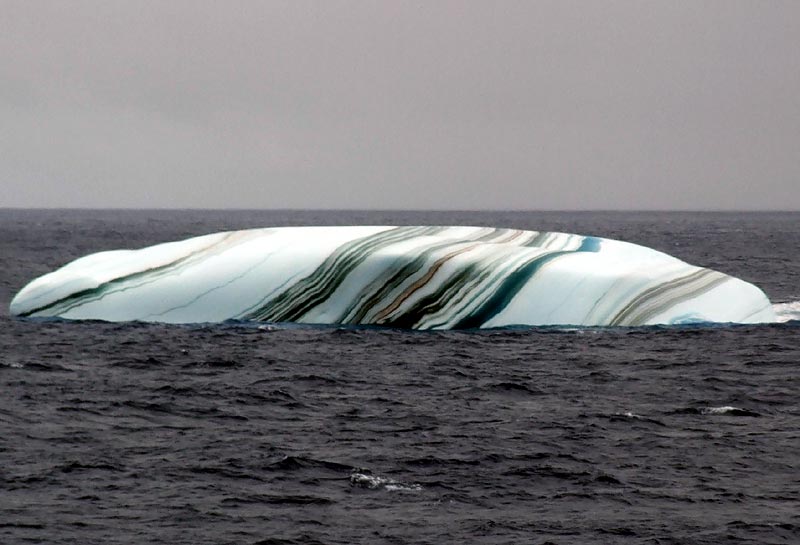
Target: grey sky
[435, 105]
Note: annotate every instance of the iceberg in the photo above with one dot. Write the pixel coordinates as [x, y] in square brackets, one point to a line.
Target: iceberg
[417, 277]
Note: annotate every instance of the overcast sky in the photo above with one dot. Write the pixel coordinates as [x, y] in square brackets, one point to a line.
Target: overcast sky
[400, 104]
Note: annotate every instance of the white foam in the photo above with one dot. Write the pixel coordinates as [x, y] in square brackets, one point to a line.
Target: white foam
[720, 410]
[629, 415]
[787, 311]
[374, 482]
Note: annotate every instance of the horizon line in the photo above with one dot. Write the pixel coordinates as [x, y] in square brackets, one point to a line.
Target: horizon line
[449, 210]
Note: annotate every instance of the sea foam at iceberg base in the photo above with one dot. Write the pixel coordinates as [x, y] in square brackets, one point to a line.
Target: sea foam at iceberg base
[410, 277]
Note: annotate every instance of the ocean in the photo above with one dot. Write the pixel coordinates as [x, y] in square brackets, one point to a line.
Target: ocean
[237, 433]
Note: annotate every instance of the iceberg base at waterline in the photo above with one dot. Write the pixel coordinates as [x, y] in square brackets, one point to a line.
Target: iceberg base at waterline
[416, 277]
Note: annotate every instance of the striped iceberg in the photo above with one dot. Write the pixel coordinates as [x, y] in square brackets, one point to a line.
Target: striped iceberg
[411, 277]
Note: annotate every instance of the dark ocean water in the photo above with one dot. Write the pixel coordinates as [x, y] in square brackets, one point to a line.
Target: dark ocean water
[148, 433]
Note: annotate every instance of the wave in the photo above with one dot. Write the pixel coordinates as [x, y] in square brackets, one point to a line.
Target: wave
[788, 311]
[726, 410]
[375, 482]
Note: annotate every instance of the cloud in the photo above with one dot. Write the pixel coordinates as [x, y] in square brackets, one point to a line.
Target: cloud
[400, 105]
